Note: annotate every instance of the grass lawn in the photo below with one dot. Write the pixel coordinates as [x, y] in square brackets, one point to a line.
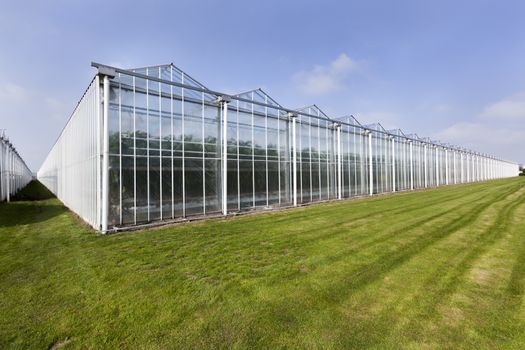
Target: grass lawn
[442, 268]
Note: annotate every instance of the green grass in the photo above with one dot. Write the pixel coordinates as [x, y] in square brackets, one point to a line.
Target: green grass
[442, 268]
[34, 191]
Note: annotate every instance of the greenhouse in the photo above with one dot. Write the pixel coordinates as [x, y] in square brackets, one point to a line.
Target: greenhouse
[14, 173]
[153, 145]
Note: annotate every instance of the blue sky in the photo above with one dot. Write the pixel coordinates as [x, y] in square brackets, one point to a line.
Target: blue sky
[451, 70]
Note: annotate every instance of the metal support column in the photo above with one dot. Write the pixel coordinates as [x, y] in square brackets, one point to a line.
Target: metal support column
[446, 166]
[370, 163]
[437, 166]
[98, 126]
[294, 159]
[454, 167]
[426, 165]
[411, 164]
[339, 182]
[223, 101]
[468, 167]
[105, 156]
[462, 167]
[8, 174]
[393, 164]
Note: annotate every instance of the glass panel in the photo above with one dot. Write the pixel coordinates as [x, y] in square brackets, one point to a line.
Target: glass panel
[193, 186]
[114, 191]
[246, 176]
[212, 149]
[273, 157]
[167, 187]
[142, 188]
[128, 190]
[154, 188]
[233, 167]
[114, 121]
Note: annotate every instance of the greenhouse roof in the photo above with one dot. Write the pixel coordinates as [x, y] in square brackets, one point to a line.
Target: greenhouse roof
[397, 132]
[258, 95]
[314, 110]
[350, 119]
[377, 127]
[169, 72]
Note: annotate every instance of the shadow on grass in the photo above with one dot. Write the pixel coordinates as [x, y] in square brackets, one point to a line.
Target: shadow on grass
[25, 213]
[34, 191]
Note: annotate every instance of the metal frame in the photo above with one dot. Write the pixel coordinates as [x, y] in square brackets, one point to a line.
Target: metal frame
[341, 159]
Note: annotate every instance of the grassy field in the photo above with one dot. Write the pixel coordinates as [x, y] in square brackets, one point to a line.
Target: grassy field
[442, 268]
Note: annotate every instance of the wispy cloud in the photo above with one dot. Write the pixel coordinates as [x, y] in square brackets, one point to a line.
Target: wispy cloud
[497, 130]
[480, 133]
[511, 108]
[324, 79]
[10, 91]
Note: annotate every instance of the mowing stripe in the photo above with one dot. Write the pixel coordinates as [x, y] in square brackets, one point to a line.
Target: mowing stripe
[482, 244]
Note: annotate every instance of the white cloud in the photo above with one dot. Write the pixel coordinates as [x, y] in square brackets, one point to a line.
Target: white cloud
[480, 133]
[10, 91]
[510, 108]
[324, 79]
[498, 130]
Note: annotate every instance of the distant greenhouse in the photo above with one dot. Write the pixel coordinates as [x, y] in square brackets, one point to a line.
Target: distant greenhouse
[14, 173]
[152, 145]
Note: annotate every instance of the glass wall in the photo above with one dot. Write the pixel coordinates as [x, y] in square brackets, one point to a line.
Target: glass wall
[170, 140]
[417, 164]
[381, 160]
[164, 148]
[258, 153]
[355, 160]
[316, 156]
[402, 163]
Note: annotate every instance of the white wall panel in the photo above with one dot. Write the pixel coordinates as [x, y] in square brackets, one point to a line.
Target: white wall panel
[14, 173]
[70, 169]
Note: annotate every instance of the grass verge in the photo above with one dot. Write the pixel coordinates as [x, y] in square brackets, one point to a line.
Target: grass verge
[442, 268]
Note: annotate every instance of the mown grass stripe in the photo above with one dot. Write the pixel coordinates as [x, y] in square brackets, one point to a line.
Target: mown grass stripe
[349, 274]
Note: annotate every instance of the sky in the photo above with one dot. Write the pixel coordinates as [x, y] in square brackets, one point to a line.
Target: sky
[450, 70]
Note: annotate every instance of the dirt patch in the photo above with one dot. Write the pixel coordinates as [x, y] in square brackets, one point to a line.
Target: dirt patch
[481, 276]
[59, 343]
[304, 269]
[452, 315]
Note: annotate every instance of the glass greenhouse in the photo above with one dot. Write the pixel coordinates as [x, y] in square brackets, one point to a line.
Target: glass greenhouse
[152, 145]
[14, 173]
